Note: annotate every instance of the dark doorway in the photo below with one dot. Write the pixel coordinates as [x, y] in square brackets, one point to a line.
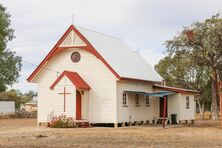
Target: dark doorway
[161, 106]
[78, 106]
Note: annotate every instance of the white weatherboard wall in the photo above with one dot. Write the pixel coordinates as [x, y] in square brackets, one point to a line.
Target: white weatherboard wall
[101, 96]
[70, 98]
[174, 105]
[187, 114]
[7, 107]
[156, 108]
[141, 113]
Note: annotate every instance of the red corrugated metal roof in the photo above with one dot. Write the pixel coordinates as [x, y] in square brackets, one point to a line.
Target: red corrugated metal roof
[75, 78]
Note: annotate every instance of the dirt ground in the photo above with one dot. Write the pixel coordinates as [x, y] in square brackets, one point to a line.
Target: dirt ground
[24, 133]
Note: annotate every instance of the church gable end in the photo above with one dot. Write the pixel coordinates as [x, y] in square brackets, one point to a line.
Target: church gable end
[72, 40]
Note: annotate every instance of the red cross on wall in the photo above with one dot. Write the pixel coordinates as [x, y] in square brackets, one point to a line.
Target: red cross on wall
[64, 93]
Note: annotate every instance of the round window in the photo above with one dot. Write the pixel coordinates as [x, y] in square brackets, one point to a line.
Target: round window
[75, 57]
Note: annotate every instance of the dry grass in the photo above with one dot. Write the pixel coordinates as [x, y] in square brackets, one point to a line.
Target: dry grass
[24, 133]
[15, 124]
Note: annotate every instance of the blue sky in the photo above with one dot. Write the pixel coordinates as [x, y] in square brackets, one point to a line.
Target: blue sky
[142, 24]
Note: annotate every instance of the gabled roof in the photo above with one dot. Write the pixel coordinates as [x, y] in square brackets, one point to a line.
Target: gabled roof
[114, 53]
[175, 89]
[74, 78]
[127, 63]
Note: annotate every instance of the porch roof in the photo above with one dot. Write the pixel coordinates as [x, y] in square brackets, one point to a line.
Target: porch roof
[75, 78]
[175, 89]
[155, 94]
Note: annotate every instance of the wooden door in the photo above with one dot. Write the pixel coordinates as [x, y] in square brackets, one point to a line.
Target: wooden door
[78, 106]
[162, 105]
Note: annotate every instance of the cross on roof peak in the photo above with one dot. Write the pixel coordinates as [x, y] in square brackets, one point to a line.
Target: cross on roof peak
[73, 18]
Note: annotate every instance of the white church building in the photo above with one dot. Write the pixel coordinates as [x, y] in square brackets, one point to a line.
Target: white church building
[98, 78]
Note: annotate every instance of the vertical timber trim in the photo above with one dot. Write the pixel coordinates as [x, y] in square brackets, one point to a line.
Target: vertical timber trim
[164, 110]
[115, 125]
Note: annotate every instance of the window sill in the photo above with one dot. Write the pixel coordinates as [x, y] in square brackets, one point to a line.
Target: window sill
[147, 105]
[125, 106]
[137, 106]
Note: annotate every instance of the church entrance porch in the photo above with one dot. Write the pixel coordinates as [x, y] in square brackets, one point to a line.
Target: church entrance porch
[71, 96]
[78, 100]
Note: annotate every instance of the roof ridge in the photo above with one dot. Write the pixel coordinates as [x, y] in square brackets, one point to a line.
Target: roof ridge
[99, 32]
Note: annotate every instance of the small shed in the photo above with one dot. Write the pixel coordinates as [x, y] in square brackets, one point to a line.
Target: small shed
[7, 107]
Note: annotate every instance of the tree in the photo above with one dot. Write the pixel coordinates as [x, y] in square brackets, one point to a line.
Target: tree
[6, 32]
[31, 93]
[10, 64]
[17, 96]
[178, 70]
[203, 42]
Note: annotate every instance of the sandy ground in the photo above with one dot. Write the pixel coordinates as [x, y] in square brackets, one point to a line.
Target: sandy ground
[24, 133]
